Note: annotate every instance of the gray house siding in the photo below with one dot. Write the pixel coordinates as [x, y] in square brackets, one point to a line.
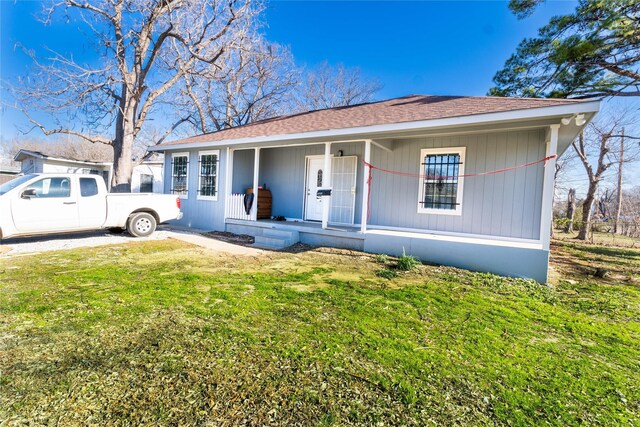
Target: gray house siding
[242, 170]
[202, 214]
[506, 204]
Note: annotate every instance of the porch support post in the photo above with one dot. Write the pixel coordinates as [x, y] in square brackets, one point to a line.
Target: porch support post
[547, 189]
[256, 178]
[365, 187]
[228, 181]
[326, 183]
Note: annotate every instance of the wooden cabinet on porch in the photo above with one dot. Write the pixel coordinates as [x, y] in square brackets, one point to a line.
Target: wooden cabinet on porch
[264, 202]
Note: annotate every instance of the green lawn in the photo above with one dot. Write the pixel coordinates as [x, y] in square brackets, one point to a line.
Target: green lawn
[601, 238]
[163, 333]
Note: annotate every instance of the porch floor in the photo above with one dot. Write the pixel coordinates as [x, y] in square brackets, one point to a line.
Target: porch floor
[352, 231]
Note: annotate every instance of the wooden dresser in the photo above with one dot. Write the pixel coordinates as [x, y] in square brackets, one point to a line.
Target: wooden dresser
[264, 203]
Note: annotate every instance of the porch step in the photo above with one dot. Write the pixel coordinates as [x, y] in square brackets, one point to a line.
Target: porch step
[276, 239]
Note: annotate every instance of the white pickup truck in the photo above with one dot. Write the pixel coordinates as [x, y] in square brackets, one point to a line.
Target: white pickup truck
[58, 203]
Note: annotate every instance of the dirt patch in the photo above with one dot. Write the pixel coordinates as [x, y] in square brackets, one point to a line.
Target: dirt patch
[238, 239]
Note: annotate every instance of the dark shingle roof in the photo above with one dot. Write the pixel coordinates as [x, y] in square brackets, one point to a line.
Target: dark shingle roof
[398, 110]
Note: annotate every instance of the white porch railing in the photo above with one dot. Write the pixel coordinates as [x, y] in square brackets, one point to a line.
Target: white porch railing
[235, 207]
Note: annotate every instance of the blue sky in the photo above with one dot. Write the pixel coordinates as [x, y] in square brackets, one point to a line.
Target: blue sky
[422, 47]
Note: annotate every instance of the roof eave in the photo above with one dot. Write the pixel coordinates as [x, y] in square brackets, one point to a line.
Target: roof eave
[486, 118]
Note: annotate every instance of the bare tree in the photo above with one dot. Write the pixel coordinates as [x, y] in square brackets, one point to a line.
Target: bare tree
[66, 147]
[246, 85]
[619, 189]
[329, 87]
[596, 149]
[571, 208]
[146, 48]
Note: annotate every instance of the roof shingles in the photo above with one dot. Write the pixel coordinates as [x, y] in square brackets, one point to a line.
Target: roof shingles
[398, 110]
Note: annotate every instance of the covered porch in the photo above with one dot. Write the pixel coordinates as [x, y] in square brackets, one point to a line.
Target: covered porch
[318, 186]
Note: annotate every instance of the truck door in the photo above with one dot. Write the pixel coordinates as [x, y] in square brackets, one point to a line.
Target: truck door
[92, 205]
[53, 207]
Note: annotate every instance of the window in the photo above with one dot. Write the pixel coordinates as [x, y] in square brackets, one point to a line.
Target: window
[52, 187]
[180, 174]
[146, 183]
[208, 175]
[441, 182]
[88, 187]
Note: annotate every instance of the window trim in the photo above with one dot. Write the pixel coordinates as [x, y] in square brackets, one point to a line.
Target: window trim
[461, 151]
[173, 156]
[205, 153]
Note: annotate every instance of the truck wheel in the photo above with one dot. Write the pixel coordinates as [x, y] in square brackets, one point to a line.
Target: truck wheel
[141, 224]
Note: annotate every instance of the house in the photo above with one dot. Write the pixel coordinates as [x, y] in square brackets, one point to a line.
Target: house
[8, 169]
[461, 181]
[146, 177]
[39, 162]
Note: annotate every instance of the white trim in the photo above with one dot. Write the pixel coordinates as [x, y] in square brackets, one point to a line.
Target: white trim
[454, 234]
[461, 151]
[204, 153]
[326, 183]
[547, 188]
[504, 116]
[228, 180]
[173, 156]
[460, 239]
[256, 184]
[365, 187]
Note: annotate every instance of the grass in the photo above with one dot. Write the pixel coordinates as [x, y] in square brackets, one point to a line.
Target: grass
[163, 333]
[601, 238]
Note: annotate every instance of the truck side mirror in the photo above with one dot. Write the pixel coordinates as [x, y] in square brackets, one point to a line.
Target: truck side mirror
[28, 193]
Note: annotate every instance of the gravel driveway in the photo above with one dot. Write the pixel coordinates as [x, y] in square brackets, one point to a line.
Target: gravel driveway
[26, 245]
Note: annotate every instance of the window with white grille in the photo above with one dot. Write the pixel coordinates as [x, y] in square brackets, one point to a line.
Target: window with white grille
[441, 180]
[180, 174]
[208, 175]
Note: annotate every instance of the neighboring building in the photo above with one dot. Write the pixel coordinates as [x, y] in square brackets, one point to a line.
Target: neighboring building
[8, 170]
[146, 177]
[38, 162]
[421, 198]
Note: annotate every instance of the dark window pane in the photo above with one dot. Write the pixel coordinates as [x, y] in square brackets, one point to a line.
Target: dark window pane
[441, 181]
[208, 174]
[88, 187]
[179, 175]
[52, 187]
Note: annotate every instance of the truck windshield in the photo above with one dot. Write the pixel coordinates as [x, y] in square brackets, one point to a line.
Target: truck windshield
[10, 185]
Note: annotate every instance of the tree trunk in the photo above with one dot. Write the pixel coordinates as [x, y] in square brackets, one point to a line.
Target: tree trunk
[616, 227]
[123, 147]
[587, 207]
[571, 208]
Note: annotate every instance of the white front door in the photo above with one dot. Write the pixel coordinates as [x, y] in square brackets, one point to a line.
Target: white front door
[53, 208]
[315, 173]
